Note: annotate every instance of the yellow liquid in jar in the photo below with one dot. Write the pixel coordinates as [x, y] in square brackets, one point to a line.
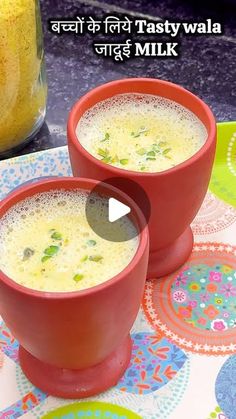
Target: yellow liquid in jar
[22, 92]
[143, 133]
[46, 244]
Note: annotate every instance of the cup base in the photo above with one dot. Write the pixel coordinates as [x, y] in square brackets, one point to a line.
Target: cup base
[77, 384]
[167, 260]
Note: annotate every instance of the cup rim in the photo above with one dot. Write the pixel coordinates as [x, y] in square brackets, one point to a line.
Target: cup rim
[73, 121]
[58, 183]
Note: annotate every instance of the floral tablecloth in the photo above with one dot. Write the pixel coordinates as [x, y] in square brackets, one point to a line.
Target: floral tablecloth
[184, 338]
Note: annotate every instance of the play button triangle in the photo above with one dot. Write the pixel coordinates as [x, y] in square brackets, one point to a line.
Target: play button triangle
[116, 210]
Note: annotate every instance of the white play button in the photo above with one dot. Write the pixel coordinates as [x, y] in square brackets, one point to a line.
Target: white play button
[116, 210]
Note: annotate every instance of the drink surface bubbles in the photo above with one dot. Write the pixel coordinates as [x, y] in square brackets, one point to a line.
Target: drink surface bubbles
[46, 243]
[139, 132]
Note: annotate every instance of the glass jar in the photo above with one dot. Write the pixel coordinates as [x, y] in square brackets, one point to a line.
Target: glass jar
[23, 89]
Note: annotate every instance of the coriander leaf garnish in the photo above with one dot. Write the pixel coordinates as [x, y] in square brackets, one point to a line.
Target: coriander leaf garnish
[56, 236]
[45, 258]
[167, 150]
[83, 259]
[103, 153]
[162, 143]
[28, 252]
[51, 250]
[142, 168]
[151, 158]
[95, 258]
[124, 161]
[141, 151]
[158, 149]
[106, 158]
[137, 134]
[91, 243]
[151, 153]
[78, 277]
[106, 138]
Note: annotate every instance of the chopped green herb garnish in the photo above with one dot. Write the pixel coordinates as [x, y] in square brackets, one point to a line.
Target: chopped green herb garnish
[78, 277]
[124, 161]
[103, 153]
[162, 143]
[84, 258]
[167, 150]
[157, 148]
[151, 158]
[106, 138]
[56, 236]
[95, 258]
[45, 258]
[28, 252]
[91, 243]
[151, 153]
[137, 134]
[142, 168]
[51, 250]
[141, 151]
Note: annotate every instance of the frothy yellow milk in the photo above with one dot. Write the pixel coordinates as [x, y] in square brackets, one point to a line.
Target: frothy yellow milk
[47, 244]
[141, 132]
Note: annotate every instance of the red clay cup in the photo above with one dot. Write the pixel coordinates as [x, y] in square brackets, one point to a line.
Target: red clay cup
[176, 194]
[76, 344]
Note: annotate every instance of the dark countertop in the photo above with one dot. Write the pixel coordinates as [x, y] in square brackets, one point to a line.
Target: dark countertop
[206, 65]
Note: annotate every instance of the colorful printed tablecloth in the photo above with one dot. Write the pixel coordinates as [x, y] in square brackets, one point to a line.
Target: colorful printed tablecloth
[184, 339]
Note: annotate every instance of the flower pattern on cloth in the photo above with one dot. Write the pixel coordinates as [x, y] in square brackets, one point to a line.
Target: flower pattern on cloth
[9, 344]
[16, 172]
[225, 387]
[217, 414]
[155, 361]
[195, 307]
[214, 216]
[204, 296]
